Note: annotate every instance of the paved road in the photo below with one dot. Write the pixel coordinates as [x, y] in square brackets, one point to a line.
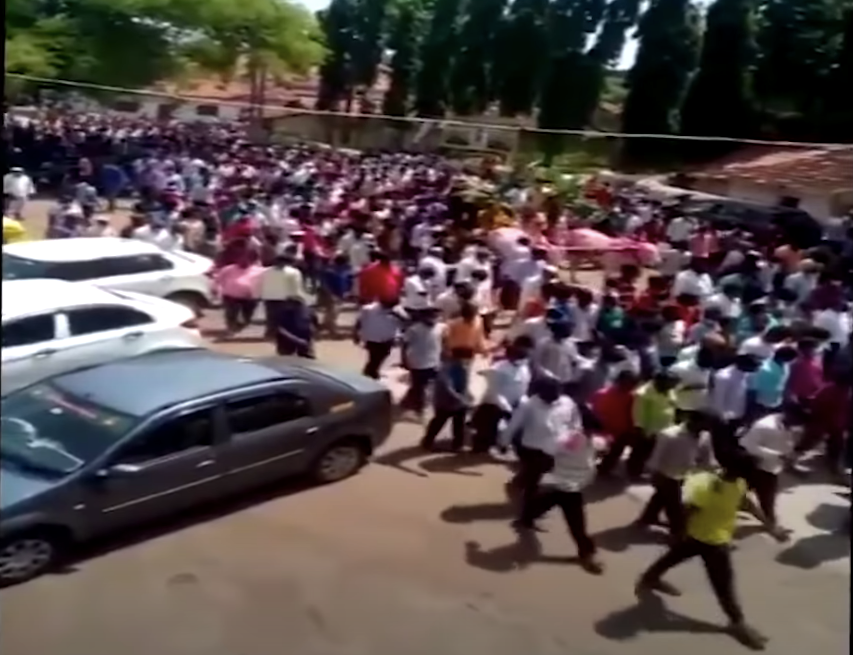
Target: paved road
[414, 556]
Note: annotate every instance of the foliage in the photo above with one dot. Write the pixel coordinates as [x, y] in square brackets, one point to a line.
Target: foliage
[404, 43]
[725, 65]
[669, 46]
[522, 53]
[432, 86]
[133, 43]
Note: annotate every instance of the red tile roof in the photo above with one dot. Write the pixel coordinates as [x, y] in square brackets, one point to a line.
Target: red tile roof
[828, 170]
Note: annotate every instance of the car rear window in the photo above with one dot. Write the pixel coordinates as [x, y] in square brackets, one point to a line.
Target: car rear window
[20, 268]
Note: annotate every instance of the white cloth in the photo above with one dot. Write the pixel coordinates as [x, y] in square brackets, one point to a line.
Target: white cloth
[769, 441]
[693, 283]
[18, 185]
[556, 359]
[281, 284]
[377, 323]
[729, 391]
[506, 384]
[540, 425]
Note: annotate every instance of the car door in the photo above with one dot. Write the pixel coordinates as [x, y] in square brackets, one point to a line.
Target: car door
[146, 273]
[101, 333]
[270, 435]
[29, 349]
[169, 467]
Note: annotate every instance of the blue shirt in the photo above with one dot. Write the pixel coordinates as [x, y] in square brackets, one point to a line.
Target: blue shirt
[768, 383]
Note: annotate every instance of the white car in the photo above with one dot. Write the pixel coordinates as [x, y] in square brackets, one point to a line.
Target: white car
[113, 263]
[51, 326]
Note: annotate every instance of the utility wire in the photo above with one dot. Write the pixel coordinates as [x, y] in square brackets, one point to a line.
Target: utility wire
[441, 122]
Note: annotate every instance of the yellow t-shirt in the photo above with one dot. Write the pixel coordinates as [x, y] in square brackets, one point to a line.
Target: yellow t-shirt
[715, 503]
[13, 231]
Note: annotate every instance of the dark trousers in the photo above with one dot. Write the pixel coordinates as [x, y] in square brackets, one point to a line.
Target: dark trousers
[765, 485]
[486, 420]
[419, 382]
[533, 464]
[724, 439]
[238, 312]
[573, 507]
[666, 499]
[271, 310]
[439, 419]
[641, 446]
[287, 348]
[718, 566]
[377, 353]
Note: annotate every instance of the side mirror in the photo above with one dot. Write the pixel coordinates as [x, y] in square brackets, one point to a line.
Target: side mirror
[117, 471]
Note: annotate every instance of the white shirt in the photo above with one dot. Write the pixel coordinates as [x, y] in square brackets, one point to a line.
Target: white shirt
[696, 284]
[377, 323]
[769, 441]
[679, 229]
[438, 282]
[466, 266]
[838, 324]
[691, 393]
[757, 347]
[729, 307]
[574, 461]
[423, 345]
[18, 185]
[585, 318]
[557, 359]
[727, 399]
[281, 283]
[416, 293]
[534, 328]
[483, 296]
[506, 384]
[541, 425]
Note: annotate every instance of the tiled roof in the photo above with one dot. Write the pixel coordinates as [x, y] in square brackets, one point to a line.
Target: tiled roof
[829, 169]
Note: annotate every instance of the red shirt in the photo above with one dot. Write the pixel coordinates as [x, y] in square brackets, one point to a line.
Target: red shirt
[379, 281]
[831, 408]
[613, 407]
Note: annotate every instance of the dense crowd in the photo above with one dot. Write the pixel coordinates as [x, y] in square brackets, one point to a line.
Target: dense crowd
[718, 367]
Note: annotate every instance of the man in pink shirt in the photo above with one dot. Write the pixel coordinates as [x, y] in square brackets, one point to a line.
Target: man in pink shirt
[806, 377]
[238, 285]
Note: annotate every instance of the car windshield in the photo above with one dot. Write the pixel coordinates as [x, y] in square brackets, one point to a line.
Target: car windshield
[19, 268]
[55, 433]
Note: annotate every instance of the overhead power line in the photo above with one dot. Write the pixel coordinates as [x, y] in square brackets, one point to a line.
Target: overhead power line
[442, 122]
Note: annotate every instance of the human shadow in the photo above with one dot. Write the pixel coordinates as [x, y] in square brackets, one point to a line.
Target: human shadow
[618, 539]
[402, 459]
[457, 463]
[503, 511]
[517, 555]
[833, 544]
[650, 614]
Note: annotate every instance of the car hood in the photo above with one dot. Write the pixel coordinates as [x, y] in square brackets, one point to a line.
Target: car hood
[16, 487]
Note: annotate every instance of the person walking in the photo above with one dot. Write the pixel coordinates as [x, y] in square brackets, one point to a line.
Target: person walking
[451, 401]
[712, 502]
[422, 341]
[376, 329]
[678, 451]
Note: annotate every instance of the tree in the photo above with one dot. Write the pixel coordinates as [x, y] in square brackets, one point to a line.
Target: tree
[521, 56]
[798, 44]
[668, 51]
[719, 100]
[336, 78]
[431, 94]
[472, 78]
[404, 42]
[371, 20]
[571, 23]
[839, 98]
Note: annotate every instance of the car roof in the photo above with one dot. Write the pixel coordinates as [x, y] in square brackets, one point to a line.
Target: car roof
[80, 249]
[23, 297]
[141, 385]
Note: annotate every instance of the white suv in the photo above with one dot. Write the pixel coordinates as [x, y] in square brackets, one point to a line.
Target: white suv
[51, 326]
[112, 263]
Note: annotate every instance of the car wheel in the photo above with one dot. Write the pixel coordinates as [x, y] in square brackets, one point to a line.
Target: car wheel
[28, 555]
[339, 461]
[194, 301]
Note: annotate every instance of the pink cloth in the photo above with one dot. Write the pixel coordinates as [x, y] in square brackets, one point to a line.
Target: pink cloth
[806, 378]
[236, 281]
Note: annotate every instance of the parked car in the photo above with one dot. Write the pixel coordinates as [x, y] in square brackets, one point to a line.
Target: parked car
[116, 445]
[51, 326]
[113, 263]
[796, 224]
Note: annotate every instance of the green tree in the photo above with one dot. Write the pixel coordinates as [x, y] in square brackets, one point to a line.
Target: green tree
[571, 24]
[336, 76]
[370, 31]
[798, 44]
[669, 44]
[719, 99]
[522, 54]
[404, 42]
[839, 97]
[432, 86]
[472, 78]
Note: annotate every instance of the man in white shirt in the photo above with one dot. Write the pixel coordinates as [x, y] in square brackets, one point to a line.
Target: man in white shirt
[556, 356]
[280, 282]
[678, 232]
[728, 402]
[18, 188]
[507, 382]
[376, 329]
[836, 321]
[418, 291]
[536, 427]
[693, 281]
[434, 260]
[770, 440]
[727, 301]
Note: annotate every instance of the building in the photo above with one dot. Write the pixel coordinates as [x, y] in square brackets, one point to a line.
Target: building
[820, 181]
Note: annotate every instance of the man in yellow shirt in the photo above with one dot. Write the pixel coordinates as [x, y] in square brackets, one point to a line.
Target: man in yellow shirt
[712, 501]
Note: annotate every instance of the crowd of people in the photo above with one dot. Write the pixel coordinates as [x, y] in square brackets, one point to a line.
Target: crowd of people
[717, 371]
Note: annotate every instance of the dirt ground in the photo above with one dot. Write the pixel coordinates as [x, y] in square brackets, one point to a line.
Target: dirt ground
[414, 556]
